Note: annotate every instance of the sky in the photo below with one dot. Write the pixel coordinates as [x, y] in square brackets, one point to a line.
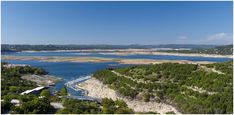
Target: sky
[121, 23]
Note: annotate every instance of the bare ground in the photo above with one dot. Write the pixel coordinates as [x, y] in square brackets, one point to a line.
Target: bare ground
[97, 89]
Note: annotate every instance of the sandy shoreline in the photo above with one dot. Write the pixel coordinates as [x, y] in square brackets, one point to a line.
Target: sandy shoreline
[169, 54]
[97, 89]
[138, 51]
[99, 60]
[58, 59]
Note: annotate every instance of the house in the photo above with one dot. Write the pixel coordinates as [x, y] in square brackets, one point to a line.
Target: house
[15, 65]
[15, 102]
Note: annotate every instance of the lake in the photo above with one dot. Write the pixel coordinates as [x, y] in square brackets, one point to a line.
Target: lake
[137, 56]
[67, 70]
[73, 70]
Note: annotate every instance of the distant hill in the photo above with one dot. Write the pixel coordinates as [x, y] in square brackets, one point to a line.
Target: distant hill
[7, 47]
[192, 46]
[206, 49]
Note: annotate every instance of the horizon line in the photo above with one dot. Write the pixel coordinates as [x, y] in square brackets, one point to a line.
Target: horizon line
[116, 44]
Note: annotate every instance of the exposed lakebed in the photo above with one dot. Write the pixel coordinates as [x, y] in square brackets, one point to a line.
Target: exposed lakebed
[106, 55]
[73, 70]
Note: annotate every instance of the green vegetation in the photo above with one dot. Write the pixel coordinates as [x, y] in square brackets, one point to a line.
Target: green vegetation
[15, 48]
[35, 106]
[13, 85]
[187, 86]
[63, 91]
[170, 112]
[45, 93]
[73, 106]
[190, 88]
[117, 107]
[150, 112]
[28, 104]
[108, 106]
[11, 81]
[146, 97]
[117, 83]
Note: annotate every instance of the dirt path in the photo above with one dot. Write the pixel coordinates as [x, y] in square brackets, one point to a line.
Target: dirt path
[200, 90]
[211, 70]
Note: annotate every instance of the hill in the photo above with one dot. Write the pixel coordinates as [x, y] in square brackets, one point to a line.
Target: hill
[190, 88]
[8, 47]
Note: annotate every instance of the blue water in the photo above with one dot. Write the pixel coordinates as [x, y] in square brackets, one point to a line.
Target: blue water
[158, 57]
[73, 70]
[67, 70]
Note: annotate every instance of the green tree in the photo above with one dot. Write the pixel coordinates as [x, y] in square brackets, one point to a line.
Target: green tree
[5, 105]
[146, 97]
[63, 91]
[124, 111]
[45, 93]
[108, 106]
[35, 106]
[120, 103]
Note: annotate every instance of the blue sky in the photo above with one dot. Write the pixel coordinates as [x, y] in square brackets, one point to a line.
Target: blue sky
[117, 23]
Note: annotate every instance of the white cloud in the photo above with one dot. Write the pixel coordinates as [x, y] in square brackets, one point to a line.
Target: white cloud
[183, 37]
[220, 36]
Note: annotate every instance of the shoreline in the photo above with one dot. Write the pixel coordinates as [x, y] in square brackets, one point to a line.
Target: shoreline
[169, 54]
[101, 60]
[125, 52]
[97, 89]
